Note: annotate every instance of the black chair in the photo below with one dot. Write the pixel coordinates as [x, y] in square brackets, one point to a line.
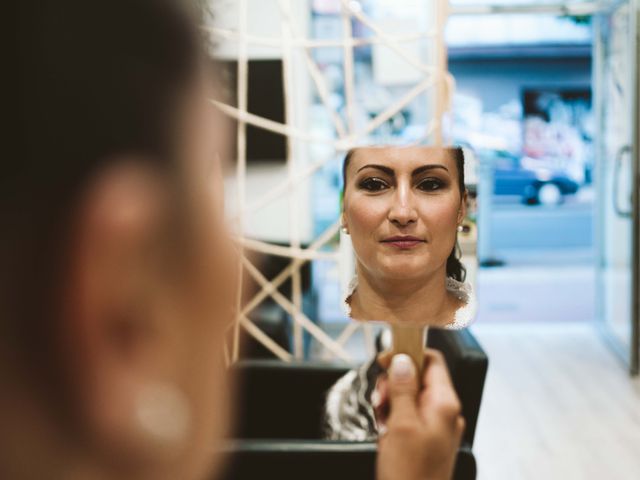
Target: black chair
[280, 407]
[315, 459]
[468, 364]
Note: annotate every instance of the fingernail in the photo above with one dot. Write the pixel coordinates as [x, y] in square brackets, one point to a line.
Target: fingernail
[402, 367]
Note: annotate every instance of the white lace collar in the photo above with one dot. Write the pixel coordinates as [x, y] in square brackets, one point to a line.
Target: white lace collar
[465, 315]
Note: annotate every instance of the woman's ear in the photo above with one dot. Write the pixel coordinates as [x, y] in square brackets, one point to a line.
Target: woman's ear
[116, 304]
[343, 223]
[462, 212]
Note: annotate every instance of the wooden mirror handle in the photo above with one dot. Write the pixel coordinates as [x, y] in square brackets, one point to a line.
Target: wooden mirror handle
[410, 340]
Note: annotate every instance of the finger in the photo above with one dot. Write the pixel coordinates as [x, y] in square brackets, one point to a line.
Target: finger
[402, 388]
[384, 359]
[380, 400]
[439, 400]
[460, 426]
[381, 392]
[435, 374]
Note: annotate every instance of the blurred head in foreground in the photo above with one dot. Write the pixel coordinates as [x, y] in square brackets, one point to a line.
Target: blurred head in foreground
[112, 308]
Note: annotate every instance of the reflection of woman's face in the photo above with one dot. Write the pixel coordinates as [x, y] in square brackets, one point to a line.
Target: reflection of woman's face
[401, 208]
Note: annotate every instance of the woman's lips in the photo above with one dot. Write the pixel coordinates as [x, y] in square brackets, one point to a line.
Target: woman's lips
[403, 242]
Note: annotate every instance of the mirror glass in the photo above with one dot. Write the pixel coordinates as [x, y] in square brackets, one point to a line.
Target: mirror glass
[403, 209]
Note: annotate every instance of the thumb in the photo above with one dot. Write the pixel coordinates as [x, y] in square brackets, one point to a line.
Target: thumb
[402, 388]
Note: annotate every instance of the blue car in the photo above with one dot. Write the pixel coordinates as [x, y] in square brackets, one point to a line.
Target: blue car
[532, 186]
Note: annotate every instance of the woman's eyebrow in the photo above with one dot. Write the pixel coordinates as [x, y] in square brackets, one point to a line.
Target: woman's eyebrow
[425, 168]
[387, 170]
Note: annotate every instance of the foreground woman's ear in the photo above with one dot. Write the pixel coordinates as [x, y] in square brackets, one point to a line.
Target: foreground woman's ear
[120, 338]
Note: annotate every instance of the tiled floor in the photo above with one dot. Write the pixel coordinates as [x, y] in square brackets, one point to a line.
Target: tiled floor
[557, 405]
[536, 294]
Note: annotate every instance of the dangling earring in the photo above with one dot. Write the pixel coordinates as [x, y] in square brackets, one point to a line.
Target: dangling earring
[162, 412]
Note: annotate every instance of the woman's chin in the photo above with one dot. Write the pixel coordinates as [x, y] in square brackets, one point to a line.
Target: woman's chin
[405, 270]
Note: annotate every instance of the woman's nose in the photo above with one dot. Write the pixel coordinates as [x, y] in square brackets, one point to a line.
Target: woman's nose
[403, 210]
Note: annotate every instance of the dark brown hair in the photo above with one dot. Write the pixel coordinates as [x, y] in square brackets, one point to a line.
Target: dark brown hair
[94, 80]
[455, 269]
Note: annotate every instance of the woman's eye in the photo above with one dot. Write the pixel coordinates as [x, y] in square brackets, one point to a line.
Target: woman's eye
[373, 184]
[431, 184]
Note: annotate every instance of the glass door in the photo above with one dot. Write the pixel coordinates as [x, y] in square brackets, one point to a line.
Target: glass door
[615, 78]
